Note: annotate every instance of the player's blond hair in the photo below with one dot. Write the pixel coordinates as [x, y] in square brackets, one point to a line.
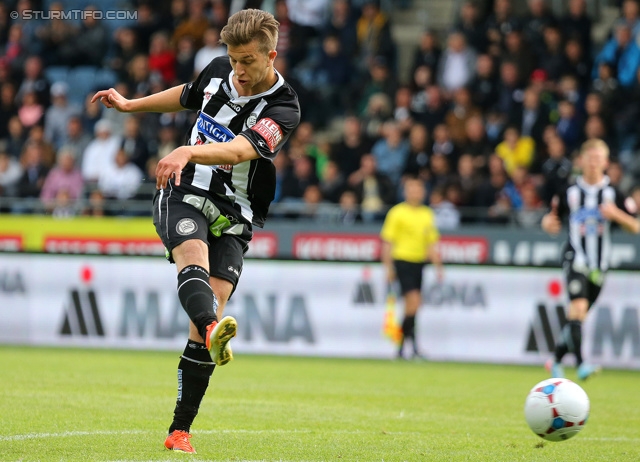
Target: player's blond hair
[595, 143]
[247, 25]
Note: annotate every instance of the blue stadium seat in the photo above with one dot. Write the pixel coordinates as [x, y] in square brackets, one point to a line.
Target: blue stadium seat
[56, 73]
[81, 81]
[105, 78]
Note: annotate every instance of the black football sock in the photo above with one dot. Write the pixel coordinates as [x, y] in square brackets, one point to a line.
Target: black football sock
[194, 370]
[562, 348]
[576, 339]
[408, 330]
[196, 297]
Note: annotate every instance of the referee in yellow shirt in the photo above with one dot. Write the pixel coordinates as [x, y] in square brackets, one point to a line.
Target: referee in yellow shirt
[409, 237]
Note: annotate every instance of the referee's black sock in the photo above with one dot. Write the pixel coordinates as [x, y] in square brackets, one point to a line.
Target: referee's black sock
[409, 330]
[196, 297]
[194, 370]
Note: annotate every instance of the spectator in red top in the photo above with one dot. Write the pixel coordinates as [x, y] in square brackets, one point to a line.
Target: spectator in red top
[162, 58]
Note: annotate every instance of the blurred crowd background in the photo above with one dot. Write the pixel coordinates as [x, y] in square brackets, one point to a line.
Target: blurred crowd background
[489, 111]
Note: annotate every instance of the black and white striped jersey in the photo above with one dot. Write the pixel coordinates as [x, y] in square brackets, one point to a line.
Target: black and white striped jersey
[589, 239]
[266, 120]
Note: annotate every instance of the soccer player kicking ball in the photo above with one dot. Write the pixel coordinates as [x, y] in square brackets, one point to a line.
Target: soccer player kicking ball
[213, 190]
[591, 205]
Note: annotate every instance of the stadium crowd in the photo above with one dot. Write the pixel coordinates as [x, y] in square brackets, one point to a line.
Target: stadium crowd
[490, 117]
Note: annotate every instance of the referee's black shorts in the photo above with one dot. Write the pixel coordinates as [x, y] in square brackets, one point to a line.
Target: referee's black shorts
[409, 275]
[181, 214]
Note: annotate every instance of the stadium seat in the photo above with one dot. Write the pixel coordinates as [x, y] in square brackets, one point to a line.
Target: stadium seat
[105, 78]
[81, 81]
[56, 73]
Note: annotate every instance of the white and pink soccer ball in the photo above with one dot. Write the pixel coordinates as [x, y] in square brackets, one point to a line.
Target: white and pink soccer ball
[556, 409]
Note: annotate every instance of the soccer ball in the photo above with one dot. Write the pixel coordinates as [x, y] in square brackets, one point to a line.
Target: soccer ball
[556, 409]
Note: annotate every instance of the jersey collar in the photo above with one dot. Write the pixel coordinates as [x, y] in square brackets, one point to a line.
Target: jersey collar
[593, 187]
[236, 96]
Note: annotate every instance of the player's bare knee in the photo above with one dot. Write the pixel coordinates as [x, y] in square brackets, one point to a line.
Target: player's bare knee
[191, 252]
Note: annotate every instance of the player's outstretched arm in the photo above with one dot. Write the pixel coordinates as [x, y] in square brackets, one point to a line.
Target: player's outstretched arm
[164, 101]
[232, 153]
[628, 222]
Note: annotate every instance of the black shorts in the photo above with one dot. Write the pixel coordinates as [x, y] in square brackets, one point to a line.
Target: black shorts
[181, 214]
[581, 284]
[409, 275]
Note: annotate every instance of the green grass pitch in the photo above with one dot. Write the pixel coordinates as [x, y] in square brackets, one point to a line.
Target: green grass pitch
[96, 405]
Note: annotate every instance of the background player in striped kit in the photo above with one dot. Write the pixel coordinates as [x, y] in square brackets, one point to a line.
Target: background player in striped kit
[213, 190]
[591, 205]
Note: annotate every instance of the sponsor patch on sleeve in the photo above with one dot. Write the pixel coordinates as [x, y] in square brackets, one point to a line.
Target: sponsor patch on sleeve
[270, 131]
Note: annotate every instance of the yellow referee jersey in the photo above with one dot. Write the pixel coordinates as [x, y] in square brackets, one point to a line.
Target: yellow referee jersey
[410, 231]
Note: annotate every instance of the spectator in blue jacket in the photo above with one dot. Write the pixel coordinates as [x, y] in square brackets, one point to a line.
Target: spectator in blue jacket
[622, 53]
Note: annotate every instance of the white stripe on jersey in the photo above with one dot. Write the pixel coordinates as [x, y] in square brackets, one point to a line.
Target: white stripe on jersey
[240, 179]
[212, 88]
[202, 176]
[225, 115]
[608, 196]
[574, 201]
[591, 234]
[240, 174]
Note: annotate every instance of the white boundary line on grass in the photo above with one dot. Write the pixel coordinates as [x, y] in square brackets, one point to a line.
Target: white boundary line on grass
[70, 434]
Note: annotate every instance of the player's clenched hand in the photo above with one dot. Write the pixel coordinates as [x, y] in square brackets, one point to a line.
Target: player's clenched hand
[112, 99]
[551, 223]
[171, 166]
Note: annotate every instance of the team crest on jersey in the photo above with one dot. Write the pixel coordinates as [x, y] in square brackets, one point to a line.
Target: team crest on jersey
[186, 226]
[207, 95]
[252, 119]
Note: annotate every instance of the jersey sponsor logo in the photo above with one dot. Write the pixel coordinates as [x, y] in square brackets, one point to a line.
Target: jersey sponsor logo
[212, 130]
[270, 131]
[186, 226]
[225, 168]
[235, 107]
[587, 215]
